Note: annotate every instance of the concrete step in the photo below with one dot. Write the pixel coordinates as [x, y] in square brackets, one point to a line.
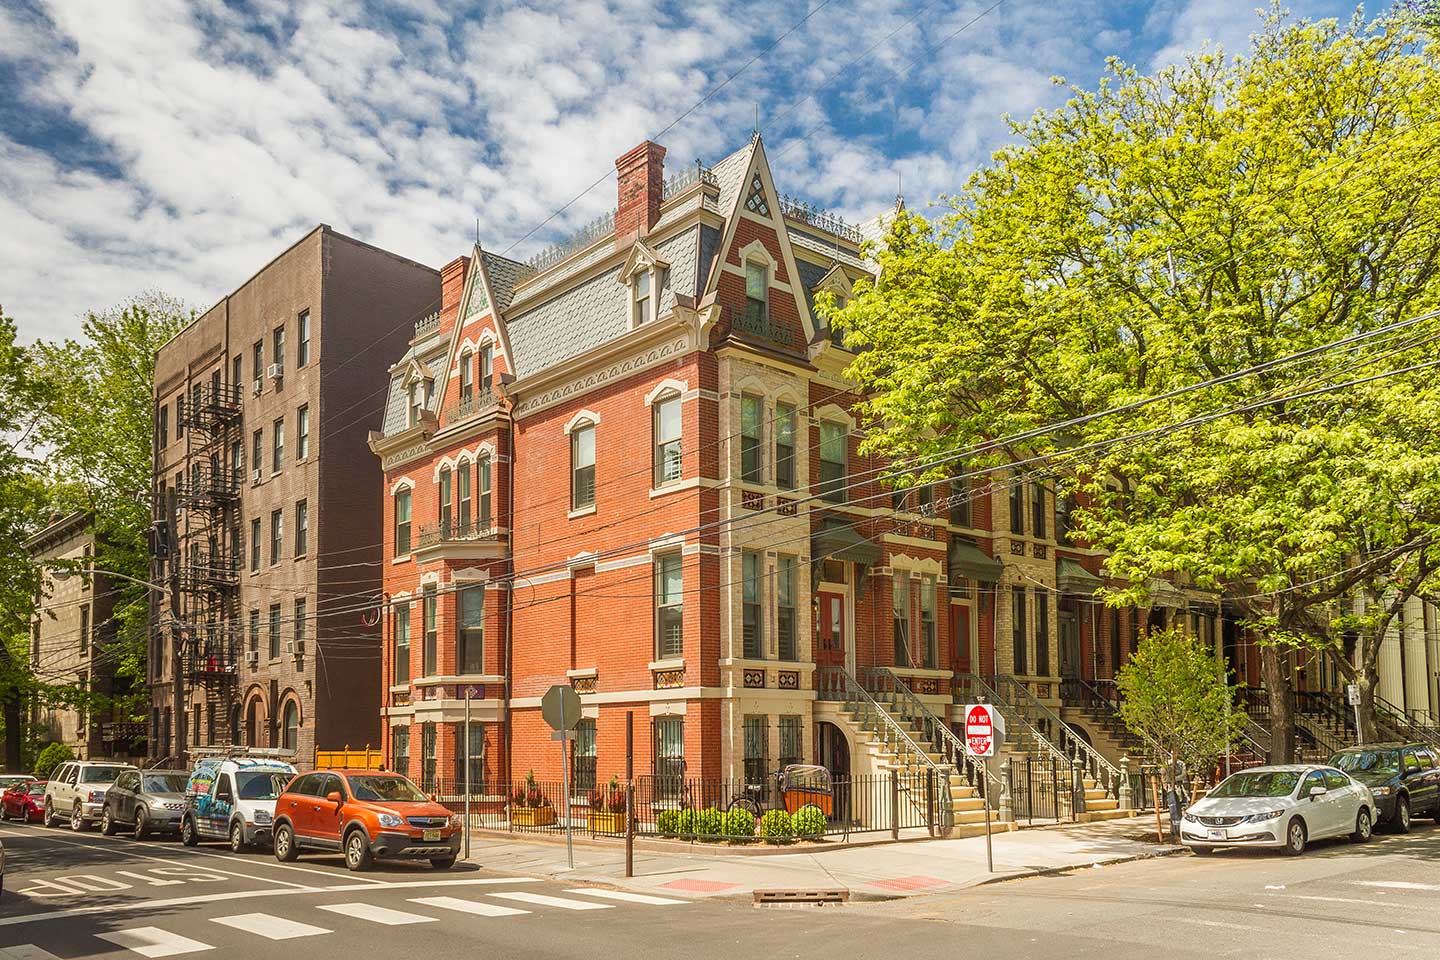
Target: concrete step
[968, 803]
[1101, 805]
[1094, 793]
[1094, 816]
[970, 816]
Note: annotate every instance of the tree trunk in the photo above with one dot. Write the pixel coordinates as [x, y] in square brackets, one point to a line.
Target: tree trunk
[1368, 680]
[14, 732]
[1274, 670]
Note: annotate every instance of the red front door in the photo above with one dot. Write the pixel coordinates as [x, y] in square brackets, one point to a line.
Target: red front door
[830, 639]
[960, 619]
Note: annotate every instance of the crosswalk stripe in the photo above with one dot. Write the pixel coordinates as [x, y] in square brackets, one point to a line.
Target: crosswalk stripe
[626, 897]
[154, 942]
[1396, 884]
[26, 951]
[469, 906]
[269, 926]
[544, 901]
[368, 911]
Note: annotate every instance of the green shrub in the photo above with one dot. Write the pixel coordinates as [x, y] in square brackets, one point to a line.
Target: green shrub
[740, 825]
[710, 822]
[686, 823]
[808, 822]
[776, 827]
[51, 757]
[667, 823]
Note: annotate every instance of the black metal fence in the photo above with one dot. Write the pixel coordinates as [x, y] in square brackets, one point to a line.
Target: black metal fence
[1044, 788]
[708, 810]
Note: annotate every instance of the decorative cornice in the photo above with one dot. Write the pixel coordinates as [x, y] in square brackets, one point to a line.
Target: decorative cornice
[673, 347]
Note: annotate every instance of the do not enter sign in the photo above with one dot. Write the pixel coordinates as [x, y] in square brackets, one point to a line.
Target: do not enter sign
[980, 730]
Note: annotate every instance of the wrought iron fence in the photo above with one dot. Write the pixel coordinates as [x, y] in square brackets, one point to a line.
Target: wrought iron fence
[1044, 788]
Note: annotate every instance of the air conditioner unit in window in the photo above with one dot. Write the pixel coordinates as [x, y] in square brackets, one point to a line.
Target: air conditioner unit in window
[275, 371]
[257, 386]
[252, 658]
[256, 475]
[290, 647]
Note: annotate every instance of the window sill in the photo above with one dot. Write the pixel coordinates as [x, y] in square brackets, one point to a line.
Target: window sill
[439, 680]
[674, 486]
[582, 674]
[400, 688]
[581, 512]
[672, 663]
[403, 558]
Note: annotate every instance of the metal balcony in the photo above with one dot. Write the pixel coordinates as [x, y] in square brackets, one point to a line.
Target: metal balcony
[212, 406]
[478, 404]
[473, 532]
[209, 486]
[205, 571]
[757, 322]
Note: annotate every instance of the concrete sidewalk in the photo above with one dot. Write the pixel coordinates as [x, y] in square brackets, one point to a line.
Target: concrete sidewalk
[878, 871]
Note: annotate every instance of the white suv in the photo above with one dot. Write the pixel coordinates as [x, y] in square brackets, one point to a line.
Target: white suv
[77, 792]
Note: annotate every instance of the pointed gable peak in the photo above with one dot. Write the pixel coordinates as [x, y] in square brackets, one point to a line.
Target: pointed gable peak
[477, 288]
[641, 257]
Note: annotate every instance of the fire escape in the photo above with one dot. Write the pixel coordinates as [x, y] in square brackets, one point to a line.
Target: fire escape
[209, 576]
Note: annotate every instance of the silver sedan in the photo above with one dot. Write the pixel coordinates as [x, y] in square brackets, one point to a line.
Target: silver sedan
[1283, 807]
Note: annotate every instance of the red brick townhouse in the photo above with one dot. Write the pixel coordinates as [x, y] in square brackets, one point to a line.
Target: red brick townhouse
[630, 466]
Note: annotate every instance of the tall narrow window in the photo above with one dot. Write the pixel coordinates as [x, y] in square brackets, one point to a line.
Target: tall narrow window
[274, 646]
[668, 465]
[785, 623]
[402, 523]
[1114, 643]
[901, 620]
[467, 375]
[471, 641]
[960, 500]
[1040, 505]
[302, 528]
[785, 446]
[1017, 628]
[752, 565]
[277, 355]
[582, 466]
[401, 633]
[752, 440]
[470, 757]
[669, 754]
[417, 403]
[302, 338]
[162, 425]
[757, 736]
[427, 757]
[255, 632]
[644, 299]
[927, 622]
[482, 483]
[487, 367]
[257, 451]
[430, 651]
[1064, 507]
[237, 379]
[277, 535]
[1042, 634]
[180, 416]
[462, 497]
[446, 506]
[237, 454]
[669, 607]
[255, 545]
[400, 750]
[790, 741]
[300, 617]
[257, 365]
[582, 774]
[277, 445]
[757, 289]
[302, 432]
[1017, 505]
[832, 462]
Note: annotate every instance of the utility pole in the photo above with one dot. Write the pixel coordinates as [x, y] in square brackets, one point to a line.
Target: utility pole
[177, 688]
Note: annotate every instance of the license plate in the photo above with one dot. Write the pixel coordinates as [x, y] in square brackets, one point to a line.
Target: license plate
[1216, 834]
[431, 836]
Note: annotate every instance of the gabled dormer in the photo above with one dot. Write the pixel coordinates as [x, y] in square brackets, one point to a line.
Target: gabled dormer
[646, 274]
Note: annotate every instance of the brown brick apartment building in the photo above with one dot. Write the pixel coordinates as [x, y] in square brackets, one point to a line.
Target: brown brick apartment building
[268, 527]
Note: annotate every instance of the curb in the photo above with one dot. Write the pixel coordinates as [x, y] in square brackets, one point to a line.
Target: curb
[1061, 871]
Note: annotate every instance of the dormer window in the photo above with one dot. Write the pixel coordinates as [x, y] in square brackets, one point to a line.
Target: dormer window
[645, 274]
[417, 402]
[757, 290]
[644, 299]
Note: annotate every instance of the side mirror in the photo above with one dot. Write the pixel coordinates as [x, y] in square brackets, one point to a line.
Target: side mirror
[334, 797]
[1317, 792]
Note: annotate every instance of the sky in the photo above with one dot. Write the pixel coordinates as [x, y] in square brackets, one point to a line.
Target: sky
[179, 145]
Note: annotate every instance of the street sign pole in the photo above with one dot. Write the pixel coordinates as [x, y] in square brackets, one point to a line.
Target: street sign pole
[565, 779]
[989, 853]
[561, 709]
[1352, 693]
[467, 773]
[982, 728]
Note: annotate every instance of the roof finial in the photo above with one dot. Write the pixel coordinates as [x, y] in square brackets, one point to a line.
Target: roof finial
[755, 131]
[477, 231]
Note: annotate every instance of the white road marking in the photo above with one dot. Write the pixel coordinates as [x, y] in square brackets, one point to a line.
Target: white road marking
[1396, 884]
[469, 906]
[154, 942]
[546, 901]
[627, 897]
[125, 850]
[1371, 903]
[1215, 923]
[368, 911]
[251, 895]
[26, 951]
[270, 926]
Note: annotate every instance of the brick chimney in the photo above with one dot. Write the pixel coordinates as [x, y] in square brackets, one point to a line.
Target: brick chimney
[642, 181]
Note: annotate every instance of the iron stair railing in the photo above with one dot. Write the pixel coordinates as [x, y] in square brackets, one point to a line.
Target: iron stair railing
[885, 686]
[835, 683]
[1403, 724]
[977, 689]
[1105, 774]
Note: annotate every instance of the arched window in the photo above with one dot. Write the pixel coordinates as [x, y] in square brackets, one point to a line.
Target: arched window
[290, 725]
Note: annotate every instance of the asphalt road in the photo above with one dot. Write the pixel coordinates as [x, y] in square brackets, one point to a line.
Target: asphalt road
[83, 895]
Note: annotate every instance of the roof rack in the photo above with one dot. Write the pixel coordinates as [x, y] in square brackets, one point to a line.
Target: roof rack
[228, 753]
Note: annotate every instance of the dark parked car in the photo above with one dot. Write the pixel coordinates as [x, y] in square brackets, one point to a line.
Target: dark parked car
[144, 800]
[1403, 777]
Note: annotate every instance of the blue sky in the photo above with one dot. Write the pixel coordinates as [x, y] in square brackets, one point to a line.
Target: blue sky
[180, 144]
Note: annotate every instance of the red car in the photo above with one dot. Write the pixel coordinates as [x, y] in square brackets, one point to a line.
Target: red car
[23, 801]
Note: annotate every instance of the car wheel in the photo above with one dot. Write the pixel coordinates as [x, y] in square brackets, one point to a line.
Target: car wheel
[107, 823]
[47, 814]
[1202, 851]
[357, 851]
[188, 836]
[285, 850]
[141, 827]
[237, 837]
[4, 812]
[1363, 826]
[1295, 835]
[1402, 814]
[77, 818]
[443, 863]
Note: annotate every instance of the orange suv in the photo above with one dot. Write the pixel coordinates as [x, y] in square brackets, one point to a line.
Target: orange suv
[364, 814]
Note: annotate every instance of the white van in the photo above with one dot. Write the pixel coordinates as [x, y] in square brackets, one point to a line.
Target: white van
[233, 799]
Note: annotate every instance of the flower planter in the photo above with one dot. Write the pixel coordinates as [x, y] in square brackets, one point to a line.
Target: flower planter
[601, 822]
[532, 816]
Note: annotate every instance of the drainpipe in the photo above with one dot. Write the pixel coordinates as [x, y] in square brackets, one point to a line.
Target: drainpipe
[510, 604]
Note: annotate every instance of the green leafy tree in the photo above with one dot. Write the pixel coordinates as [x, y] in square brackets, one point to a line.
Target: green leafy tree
[1160, 231]
[51, 757]
[1174, 695]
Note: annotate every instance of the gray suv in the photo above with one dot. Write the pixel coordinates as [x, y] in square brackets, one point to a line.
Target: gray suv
[144, 800]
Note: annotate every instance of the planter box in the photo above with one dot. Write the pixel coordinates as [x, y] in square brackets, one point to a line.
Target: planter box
[532, 816]
[607, 822]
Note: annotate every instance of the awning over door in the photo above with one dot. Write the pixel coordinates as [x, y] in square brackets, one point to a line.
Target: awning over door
[968, 560]
[837, 539]
[1074, 579]
[1163, 593]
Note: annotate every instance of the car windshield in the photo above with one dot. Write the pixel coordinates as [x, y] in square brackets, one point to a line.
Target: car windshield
[37, 790]
[164, 783]
[389, 789]
[261, 785]
[1371, 763]
[1277, 783]
[100, 774]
